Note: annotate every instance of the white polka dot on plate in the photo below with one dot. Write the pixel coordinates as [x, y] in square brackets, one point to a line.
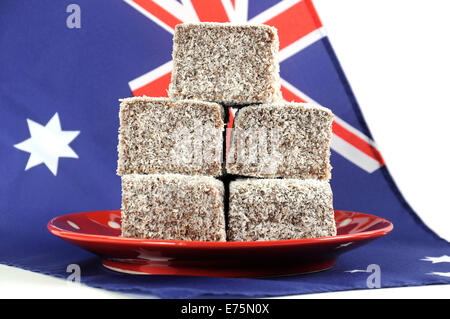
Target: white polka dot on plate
[113, 224]
[73, 224]
[345, 222]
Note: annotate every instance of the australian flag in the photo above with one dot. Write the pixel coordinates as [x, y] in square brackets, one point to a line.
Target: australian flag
[63, 67]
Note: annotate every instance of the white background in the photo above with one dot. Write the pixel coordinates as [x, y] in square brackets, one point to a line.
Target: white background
[396, 55]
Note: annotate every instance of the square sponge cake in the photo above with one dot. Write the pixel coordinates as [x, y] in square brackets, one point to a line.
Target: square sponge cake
[225, 63]
[278, 209]
[161, 135]
[173, 207]
[281, 139]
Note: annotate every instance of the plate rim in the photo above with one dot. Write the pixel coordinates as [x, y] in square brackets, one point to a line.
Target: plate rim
[71, 235]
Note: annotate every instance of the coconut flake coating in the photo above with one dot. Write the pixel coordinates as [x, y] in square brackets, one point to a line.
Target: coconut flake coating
[225, 63]
[281, 139]
[277, 209]
[173, 207]
[162, 135]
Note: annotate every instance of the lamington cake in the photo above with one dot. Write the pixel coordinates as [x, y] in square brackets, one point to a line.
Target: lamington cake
[281, 139]
[277, 209]
[225, 63]
[162, 135]
[173, 207]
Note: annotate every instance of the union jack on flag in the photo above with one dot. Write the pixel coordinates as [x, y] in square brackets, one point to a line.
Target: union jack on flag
[299, 29]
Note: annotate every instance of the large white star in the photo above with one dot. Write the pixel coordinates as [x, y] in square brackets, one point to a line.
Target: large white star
[435, 260]
[47, 144]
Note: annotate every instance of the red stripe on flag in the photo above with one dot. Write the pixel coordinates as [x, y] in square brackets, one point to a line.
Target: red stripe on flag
[155, 10]
[289, 96]
[295, 22]
[157, 87]
[233, 2]
[210, 10]
[228, 132]
[357, 142]
[313, 12]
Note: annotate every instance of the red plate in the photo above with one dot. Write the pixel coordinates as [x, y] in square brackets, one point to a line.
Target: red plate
[99, 232]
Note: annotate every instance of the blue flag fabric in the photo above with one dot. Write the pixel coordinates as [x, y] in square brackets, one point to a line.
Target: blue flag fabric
[62, 70]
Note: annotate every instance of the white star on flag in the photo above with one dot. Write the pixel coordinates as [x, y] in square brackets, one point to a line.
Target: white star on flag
[442, 274]
[47, 144]
[344, 245]
[435, 260]
[356, 270]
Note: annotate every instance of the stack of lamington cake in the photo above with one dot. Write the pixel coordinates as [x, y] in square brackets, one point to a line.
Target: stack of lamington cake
[274, 183]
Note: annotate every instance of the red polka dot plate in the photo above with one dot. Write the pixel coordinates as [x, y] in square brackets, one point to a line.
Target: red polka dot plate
[99, 232]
